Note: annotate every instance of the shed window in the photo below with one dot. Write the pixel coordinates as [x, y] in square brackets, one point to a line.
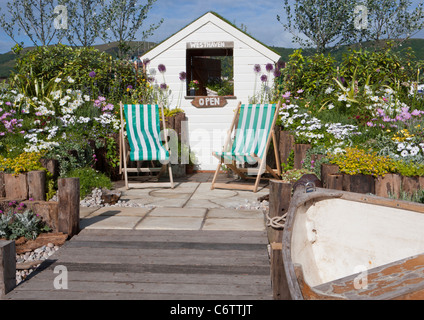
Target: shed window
[213, 69]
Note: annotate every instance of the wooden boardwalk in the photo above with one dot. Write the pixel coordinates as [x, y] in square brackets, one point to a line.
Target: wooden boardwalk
[153, 264]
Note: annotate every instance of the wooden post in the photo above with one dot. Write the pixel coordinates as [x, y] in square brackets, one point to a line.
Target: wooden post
[69, 205]
[300, 154]
[335, 181]
[359, 183]
[388, 185]
[37, 185]
[7, 266]
[326, 170]
[52, 165]
[410, 184]
[286, 145]
[279, 201]
[2, 186]
[421, 182]
[16, 186]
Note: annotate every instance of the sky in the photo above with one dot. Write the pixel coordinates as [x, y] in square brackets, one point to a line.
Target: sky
[259, 17]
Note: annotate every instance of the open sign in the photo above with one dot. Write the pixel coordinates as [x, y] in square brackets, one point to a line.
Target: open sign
[209, 102]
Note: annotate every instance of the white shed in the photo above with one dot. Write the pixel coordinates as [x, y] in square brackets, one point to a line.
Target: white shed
[198, 49]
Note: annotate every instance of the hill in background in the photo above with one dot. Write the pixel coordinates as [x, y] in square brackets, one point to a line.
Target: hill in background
[417, 46]
[7, 60]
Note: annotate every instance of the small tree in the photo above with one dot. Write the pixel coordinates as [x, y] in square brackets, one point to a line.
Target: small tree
[123, 18]
[84, 23]
[319, 23]
[34, 18]
[392, 19]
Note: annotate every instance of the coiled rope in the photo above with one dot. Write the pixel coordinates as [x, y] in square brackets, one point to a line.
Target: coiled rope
[276, 222]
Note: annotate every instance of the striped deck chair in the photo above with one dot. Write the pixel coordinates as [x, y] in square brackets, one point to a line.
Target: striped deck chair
[252, 139]
[143, 134]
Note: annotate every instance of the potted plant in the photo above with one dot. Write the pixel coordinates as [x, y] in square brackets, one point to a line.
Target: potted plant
[194, 86]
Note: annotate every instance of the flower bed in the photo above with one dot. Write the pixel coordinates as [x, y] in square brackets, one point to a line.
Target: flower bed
[363, 114]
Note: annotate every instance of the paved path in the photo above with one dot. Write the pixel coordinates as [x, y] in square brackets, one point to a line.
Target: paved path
[189, 206]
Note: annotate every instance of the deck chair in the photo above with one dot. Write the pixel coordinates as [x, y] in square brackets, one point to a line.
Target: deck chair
[251, 142]
[145, 143]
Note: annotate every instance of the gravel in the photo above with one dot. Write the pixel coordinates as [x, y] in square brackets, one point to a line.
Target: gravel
[37, 255]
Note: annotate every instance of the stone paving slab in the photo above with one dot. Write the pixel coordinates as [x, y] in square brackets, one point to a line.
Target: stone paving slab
[189, 206]
[170, 223]
[235, 214]
[234, 224]
[109, 222]
[178, 212]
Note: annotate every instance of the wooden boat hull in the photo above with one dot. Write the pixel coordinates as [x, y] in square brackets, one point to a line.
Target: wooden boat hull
[343, 245]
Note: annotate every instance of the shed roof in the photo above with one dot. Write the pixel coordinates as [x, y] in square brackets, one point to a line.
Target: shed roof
[220, 22]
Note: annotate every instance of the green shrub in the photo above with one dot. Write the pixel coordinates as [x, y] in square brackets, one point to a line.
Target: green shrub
[14, 225]
[90, 179]
[94, 72]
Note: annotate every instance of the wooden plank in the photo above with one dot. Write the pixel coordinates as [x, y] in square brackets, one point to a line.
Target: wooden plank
[158, 288]
[76, 295]
[147, 236]
[140, 252]
[189, 264]
[165, 268]
[7, 266]
[176, 259]
[180, 278]
[161, 245]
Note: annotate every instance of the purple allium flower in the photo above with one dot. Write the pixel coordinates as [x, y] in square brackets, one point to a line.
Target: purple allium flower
[264, 78]
[163, 86]
[277, 73]
[161, 68]
[183, 76]
[257, 68]
[92, 74]
[269, 67]
[146, 61]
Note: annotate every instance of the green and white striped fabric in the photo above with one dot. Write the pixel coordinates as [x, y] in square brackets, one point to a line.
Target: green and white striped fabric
[252, 133]
[143, 132]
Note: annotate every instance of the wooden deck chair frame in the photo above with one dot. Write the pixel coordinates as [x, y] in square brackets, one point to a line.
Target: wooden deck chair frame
[124, 155]
[263, 167]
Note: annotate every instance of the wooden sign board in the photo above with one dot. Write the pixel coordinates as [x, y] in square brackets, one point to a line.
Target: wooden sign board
[209, 102]
[210, 45]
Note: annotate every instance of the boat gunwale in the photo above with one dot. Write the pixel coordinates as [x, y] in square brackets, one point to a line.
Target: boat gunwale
[302, 198]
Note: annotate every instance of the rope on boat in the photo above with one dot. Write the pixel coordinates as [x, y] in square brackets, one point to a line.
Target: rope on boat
[276, 222]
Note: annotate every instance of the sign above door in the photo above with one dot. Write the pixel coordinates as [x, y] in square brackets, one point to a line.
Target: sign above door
[210, 45]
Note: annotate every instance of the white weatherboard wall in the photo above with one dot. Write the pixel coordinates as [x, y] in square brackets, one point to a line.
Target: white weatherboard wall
[208, 126]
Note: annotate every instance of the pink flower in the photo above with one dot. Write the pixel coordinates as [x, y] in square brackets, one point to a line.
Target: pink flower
[286, 95]
[415, 112]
